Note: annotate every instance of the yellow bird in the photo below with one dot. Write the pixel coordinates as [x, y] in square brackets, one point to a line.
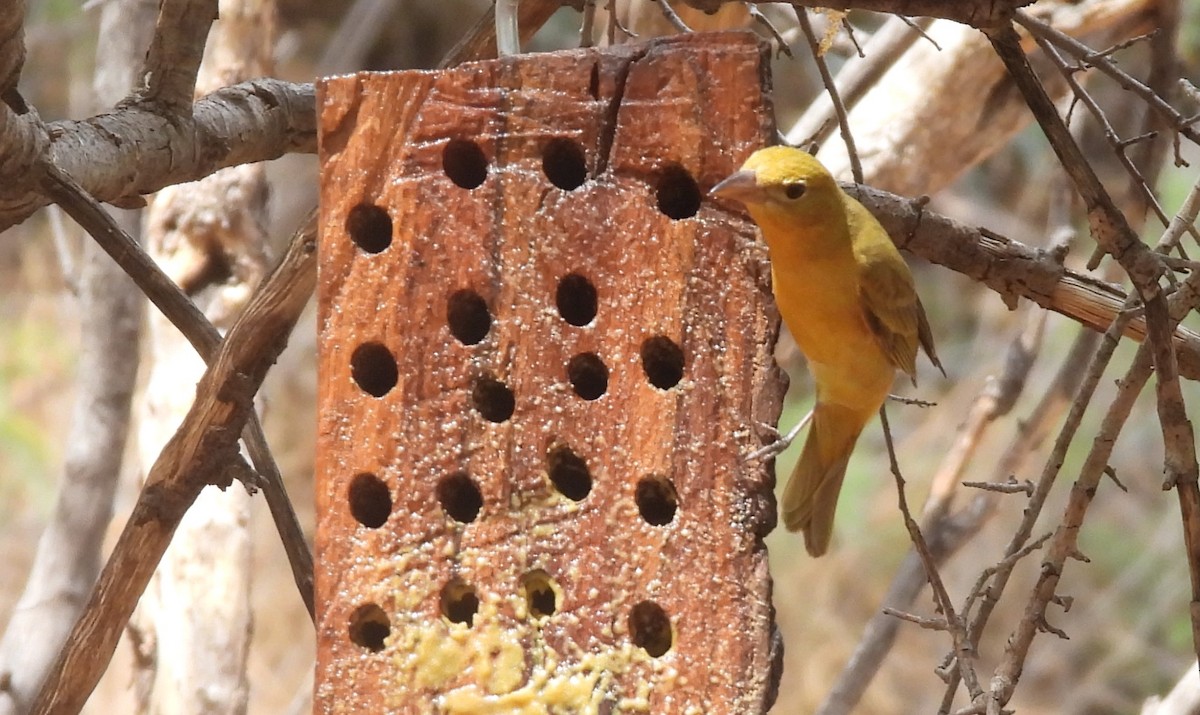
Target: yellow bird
[848, 298]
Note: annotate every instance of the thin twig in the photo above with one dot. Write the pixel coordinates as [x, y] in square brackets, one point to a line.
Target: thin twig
[1033, 508]
[919, 27]
[765, 21]
[587, 25]
[849, 28]
[962, 649]
[1110, 134]
[1012, 486]
[830, 86]
[1083, 53]
[945, 531]
[672, 16]
[855, 78]
[930, 624]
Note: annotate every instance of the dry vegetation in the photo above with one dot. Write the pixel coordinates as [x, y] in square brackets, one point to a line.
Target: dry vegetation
[935, 113]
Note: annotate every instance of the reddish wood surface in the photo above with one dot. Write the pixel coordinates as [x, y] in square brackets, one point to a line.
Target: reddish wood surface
[642, 585]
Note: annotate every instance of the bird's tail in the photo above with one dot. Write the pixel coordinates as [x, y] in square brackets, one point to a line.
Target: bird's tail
[811, 496]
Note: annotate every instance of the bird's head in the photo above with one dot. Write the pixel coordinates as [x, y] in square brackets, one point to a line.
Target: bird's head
[781, 183]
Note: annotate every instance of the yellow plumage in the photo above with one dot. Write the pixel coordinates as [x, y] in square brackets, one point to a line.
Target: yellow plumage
[848, 298]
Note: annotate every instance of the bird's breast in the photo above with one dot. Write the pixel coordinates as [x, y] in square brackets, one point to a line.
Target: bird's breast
[819, 302]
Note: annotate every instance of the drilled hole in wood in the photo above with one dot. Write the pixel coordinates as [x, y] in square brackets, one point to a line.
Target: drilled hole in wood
[662, 361]
[370, 500]
[541, 593]
[594, 81]
[493, 400]
[656, 500]
[677, 193]
[373, 368]
[468, 316]
[576, 299]
[569, 473]
[464, 162]
[369, 627]
[460, 497]
[369, 227]
[650, 628]
[459, 602]
[588, 375]
[564, 164]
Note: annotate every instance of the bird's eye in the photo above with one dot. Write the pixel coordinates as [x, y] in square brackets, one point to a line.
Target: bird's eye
[794, 190]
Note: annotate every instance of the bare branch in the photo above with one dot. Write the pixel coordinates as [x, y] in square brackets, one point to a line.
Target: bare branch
[1110, 134]
[1063, 545]
[963, 652]
[1013, 270]
[976, 13]
[1012, 486]
[120, 156]
[1018, 543]
[184, 315]
[194, 457]
[1109, 226]
[111, 308]
[175, 53]
[12, 51]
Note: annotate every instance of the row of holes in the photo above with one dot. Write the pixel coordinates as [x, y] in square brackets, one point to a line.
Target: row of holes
[677, 194]
[565, 165]
[649, 625]
[460, 497]
[469, 319]
[374, 370]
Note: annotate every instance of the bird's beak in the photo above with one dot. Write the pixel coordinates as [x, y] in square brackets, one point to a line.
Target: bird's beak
[740, 186]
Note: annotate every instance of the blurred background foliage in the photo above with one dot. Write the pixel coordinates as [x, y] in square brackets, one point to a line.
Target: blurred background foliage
[1129, 629]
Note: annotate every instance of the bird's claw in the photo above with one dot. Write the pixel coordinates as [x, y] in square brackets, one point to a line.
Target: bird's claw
[779, 442]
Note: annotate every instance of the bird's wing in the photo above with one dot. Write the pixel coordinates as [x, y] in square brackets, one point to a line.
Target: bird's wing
[890, 305]
[925, 334]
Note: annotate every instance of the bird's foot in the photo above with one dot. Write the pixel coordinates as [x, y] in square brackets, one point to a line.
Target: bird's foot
[779, 443]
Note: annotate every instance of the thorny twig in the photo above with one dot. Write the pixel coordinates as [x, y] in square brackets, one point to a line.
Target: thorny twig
[1110, 134]
[945, 530]
[962, 648]
[1102, 62]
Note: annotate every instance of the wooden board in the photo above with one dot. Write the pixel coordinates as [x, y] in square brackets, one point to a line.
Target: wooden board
[543, 353]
